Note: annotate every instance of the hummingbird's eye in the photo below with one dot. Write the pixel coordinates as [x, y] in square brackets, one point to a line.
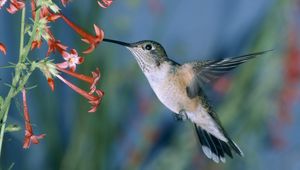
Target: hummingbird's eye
[148, 47]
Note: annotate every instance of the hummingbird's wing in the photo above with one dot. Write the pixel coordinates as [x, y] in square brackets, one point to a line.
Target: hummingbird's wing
[207, 71]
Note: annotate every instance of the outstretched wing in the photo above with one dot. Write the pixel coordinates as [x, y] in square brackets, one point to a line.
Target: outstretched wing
[210, 70]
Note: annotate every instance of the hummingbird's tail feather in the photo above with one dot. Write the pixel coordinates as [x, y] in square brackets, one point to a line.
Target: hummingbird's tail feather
[235, 148]
[215, 148]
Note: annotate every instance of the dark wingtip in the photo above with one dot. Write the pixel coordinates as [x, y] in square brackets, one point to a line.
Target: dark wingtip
[252, 55]
[263, 52]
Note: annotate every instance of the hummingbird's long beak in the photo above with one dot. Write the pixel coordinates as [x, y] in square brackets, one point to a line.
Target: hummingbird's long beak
[117, 42]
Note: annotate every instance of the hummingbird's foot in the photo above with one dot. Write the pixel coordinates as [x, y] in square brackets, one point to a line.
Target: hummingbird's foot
[178, 117]
[181, 116]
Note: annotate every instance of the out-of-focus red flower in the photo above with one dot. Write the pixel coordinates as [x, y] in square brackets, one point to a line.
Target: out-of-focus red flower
[29, 136]
[15, 5]
[292, 60]
[156, 6]
[86, 37]
[2, 2]
[291, 69]
[2, 48]
[276, 138]
[72, 59]
[65, 2]
[222, 85]
[105, 3]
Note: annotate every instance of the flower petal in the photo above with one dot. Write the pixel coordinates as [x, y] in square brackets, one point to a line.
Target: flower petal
[35, 138]
[63, 65]
[51, 84]
[105, 3]
[36, 44]
[74, 52]
[96, 76]
[53, 17]
[90, 49]
[2, 48]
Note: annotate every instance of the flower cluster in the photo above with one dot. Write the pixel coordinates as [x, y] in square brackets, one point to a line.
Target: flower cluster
[45, 12]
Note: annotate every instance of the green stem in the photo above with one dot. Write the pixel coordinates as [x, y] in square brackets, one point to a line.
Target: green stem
[26, 50]
[18, 81]
[22, 33]
[3, 128]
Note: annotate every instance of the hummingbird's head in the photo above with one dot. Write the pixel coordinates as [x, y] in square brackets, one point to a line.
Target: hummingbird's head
[149, 54]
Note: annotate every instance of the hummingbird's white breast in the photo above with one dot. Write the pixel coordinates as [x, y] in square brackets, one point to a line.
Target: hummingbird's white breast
[169, 85]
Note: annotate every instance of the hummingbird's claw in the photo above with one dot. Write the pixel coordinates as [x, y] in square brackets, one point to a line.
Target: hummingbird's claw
[181, 116]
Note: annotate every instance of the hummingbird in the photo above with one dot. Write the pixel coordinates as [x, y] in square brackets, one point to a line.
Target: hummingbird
[180, 88]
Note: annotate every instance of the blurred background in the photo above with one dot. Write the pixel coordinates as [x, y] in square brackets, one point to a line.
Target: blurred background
[257, 103]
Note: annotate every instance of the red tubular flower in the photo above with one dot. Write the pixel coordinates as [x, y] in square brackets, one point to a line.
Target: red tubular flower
[33, 8]
[54, 45]
[105, 3]
[36, 44]
[51, 83]
[44, 10]
[53, 17]
[2, 48]
[49, 70]
[46, 13]
[86, 37]
[91, 80]
[94, 96]
[15, 5]
[93, 100]
[29, 136]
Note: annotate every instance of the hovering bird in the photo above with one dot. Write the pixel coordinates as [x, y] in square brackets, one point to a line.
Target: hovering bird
[179, 88]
